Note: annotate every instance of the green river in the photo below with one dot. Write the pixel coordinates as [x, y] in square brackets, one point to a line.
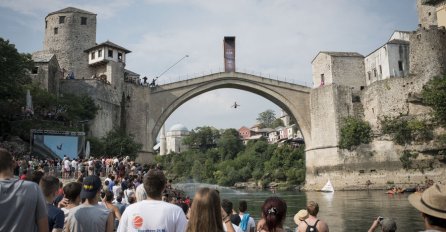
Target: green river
[343, 211]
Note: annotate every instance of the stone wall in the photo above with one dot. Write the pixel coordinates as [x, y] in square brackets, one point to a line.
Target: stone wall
[105, 96]
[428, 52]
[349, 71]
[427, 15]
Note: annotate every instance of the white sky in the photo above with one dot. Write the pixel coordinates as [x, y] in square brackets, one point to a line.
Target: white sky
[276, 38]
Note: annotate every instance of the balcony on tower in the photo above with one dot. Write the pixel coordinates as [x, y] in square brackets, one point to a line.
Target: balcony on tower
[105, 52]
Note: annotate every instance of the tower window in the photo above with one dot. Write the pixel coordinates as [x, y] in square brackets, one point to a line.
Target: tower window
[380, 70]
[368, 75]
[61, 19]
[83, 20]
[100, 53]
[56, 30]
[35, 70]
[119, 56]
[110, 53]
[400, 65]
[93, 55]
[46, 24]
[374, 72]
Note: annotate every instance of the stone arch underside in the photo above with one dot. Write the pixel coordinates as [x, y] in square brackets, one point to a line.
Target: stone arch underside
[294, 102]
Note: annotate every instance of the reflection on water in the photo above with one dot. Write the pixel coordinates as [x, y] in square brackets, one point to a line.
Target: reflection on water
[343, 211]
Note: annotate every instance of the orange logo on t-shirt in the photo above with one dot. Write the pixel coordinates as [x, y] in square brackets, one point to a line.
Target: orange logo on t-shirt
[137, 222]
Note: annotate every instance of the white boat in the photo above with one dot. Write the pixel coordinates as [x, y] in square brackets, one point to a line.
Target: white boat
[328, 187]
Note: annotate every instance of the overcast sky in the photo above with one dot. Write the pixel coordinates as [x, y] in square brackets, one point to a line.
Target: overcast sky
[276, 38]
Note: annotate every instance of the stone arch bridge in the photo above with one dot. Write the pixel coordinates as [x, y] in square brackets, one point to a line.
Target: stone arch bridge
[146, 115]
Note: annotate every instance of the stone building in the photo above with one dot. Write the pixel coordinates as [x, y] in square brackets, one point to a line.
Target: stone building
[46, 71]
[174, 139]
[341, 68]
[68, 33]
[389, 60]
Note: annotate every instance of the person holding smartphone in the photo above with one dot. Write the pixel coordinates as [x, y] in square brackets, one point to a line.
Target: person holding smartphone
[387, 224]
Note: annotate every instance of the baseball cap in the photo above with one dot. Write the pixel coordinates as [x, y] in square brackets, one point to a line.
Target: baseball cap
[90, 186]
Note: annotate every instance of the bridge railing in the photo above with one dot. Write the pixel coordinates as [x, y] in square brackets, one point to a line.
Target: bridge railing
[171, 79]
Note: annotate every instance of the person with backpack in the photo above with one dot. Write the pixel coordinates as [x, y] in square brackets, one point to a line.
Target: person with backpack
[312, 223]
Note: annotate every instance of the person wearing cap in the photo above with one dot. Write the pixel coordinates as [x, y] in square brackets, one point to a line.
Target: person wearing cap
[153, 214]
[387, 225]
[88, 217]
[312, 222]
[299, 217]
[22, 204]
[432, 205]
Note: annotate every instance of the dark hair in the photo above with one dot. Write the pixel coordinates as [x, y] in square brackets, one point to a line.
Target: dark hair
[227, 206]
[49, 185]
[119, 199]
[184, 207]
[242, 206]
[435, 221]
[72, 190]
[235, 219]
[154, 183]
[106, 183]
[312, 208]
[274, 212]
[109, 195]
[35, 177]
[5, 160]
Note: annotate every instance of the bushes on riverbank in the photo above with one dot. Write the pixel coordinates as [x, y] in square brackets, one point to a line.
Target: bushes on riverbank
[257, 161]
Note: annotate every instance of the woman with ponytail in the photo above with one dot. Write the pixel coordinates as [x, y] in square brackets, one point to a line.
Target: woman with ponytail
[273, 215]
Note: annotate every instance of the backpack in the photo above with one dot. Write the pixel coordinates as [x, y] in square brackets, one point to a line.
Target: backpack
[312, 228]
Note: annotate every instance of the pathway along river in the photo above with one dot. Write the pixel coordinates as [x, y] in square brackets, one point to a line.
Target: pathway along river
[343, 211]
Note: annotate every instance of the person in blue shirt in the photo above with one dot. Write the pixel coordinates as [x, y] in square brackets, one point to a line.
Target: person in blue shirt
[50, 186]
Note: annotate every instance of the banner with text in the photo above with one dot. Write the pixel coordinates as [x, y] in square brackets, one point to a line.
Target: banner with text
[229, 53]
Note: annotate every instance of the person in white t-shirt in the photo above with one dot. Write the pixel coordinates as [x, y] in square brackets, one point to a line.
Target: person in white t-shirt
[74, 167]
[153, 214]
[66, 168]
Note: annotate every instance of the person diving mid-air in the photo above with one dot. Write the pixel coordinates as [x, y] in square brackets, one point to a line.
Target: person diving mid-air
[235, 105]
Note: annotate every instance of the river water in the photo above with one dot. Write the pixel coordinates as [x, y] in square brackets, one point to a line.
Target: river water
[343, 211]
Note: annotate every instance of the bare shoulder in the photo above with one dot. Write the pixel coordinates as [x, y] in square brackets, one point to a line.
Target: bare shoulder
[322, 226]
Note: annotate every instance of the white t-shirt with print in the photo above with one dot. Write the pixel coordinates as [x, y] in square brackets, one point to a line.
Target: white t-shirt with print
[153, 215]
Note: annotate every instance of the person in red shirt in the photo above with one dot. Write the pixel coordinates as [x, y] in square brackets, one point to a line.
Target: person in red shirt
[23, 176]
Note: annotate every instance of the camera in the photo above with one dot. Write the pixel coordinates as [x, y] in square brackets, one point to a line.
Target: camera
[380, 218]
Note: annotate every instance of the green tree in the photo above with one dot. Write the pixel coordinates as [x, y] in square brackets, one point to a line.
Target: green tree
[434, 95]
[118, 143]
[266, 118]
[202, 138]
[276, 123]
[354, 132]
[13, 77]
[229, 144]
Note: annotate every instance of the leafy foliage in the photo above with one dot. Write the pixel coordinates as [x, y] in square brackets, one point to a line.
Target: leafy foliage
[405, 131]
[406, 159]
[434, 95]
[118, 143]
[230, 162]
[266, 118]
[202, 138]
[354, 132]
[13, 77]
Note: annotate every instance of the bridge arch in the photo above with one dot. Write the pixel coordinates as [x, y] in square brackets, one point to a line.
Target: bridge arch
[292, 98]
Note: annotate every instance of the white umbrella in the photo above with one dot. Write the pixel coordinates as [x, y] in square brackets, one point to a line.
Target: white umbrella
[87, 150]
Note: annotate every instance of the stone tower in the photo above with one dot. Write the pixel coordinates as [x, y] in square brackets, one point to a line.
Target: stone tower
[427, 14]
[68, 33]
